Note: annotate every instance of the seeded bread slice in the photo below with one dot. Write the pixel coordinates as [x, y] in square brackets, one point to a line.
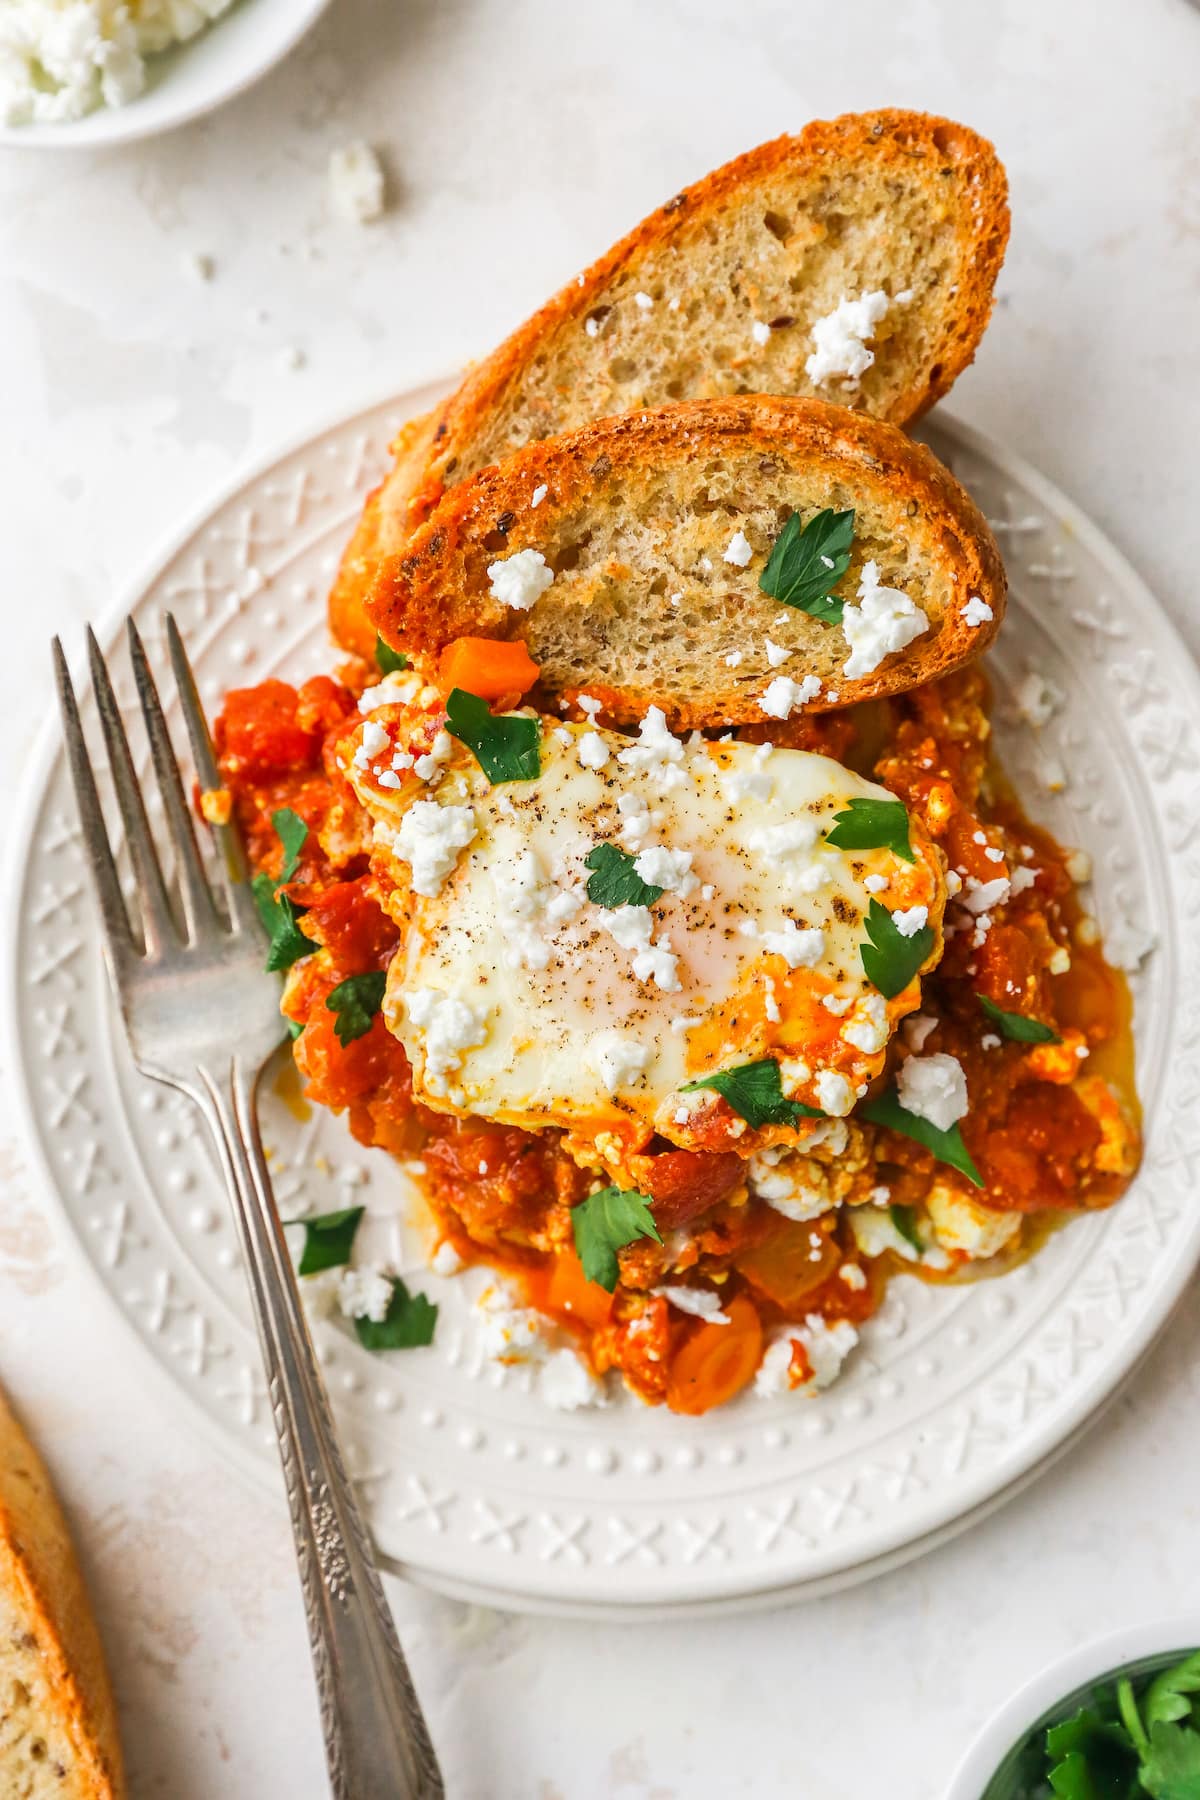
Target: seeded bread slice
[58, 1724]
[891, 202]
[639, 522]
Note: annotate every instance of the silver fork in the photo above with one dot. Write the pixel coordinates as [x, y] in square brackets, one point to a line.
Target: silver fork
[202, 1017]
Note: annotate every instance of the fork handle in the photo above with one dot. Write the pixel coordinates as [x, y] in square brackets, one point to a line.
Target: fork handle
[377, 1744]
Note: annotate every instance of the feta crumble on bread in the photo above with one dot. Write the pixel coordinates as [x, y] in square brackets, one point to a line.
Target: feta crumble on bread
[840, 338]
[976, 612]
[356, 183]
[519, 580]
[760, 331]
[884, 621]
[739, 551]
[783, 696]
[934, 1088]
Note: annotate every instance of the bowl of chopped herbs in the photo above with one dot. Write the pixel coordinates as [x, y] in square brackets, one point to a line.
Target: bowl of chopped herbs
[1118, 1720]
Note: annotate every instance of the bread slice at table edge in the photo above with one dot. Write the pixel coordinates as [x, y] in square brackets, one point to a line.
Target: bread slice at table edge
[777, 237]
[56, 1710]
[633, 507]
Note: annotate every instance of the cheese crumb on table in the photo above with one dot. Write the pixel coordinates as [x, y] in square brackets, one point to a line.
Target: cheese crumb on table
[357, 188]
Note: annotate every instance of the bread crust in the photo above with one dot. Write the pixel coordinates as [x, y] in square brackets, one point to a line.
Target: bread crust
[892, 145]
[438, 588]
[41, 1581]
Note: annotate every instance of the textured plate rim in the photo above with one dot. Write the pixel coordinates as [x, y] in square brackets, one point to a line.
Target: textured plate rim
[974, 1499]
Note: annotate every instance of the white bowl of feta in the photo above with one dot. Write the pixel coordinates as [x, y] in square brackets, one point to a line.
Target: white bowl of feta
[76, 73]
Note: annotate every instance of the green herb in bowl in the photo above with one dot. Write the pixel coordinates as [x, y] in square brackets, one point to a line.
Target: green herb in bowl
[1134, 1734]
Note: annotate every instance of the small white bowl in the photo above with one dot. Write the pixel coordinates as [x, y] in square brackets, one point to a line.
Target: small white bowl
[182, 83]
[1088, 1664]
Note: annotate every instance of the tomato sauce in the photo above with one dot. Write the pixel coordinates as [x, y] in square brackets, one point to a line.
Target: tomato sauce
[1052, 1127]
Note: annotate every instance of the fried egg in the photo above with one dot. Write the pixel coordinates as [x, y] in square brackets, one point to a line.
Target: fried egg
[521, 998]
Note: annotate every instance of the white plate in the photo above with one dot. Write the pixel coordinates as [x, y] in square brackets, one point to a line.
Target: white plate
[190, 79]
[957, 1394]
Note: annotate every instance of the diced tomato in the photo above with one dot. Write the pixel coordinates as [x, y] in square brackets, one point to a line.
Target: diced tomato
[259, 733]
[352, 925]
[682, 1184]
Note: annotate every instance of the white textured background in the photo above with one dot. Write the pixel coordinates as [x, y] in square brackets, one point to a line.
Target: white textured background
[521, 137]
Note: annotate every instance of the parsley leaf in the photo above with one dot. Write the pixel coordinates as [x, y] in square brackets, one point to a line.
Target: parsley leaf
[292, 833]
[947, 1146]
[616, 882]
[872, 825]
[891, 960]
[904, 1218]
[328, 1239]
[281, 920]
[356, 1002]
[294, 1028]
[1016, 1026]
[408, 1323]
[387, 660]
[1166, 1697]
[506, 746]
[1098, 1760]
[603, 1224]
[1171, 1770]
[807, 560]
[755, 1092]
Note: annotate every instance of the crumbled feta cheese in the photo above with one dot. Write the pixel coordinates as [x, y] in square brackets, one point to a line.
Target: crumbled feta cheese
[356, 183]
[909, 920]
[592, 327]
[592, 750]
[538, 495]
[854, 1277]
[795, 836]
[519, 580]
[365, 1293]
[1038, 699]
[701, 1303]
[799, 948]
[868, 1029]
[776, 653]
[739, 550]
[826, 1347]
[445, 1259]
[529, 907]
[917, 1028]
[963, 1223]
[657, 753]
[1078, 865]
[934, 1088]
[1060, 957]
[631, 927]
[838, 1005]
[981, 896]
[449, 1026]
[395, 689]
[875, 1232]
[834, 1094]
[884, 621]
[989, 1041]
[566, 1382]
[875, 884]
[667, 869]
[1126, 945]
[636, 821]
[644, 301]
[840, 338]
[760, 331]
[509, 1333]
[618, 1059]
[734, 659]
[783, 696]
[429, 840]
[976, 612]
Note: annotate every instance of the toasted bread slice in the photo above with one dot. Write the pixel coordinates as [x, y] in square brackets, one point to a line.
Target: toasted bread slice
[657, 527]
[58, 1724]
[891, 202]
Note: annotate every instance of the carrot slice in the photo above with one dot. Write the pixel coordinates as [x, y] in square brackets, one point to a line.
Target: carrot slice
[490, 667]
[571, 1292]
[790, 1262]
[716, 1361]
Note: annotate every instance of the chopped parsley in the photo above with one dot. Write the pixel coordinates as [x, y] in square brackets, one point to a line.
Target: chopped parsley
[506, 746]
[281, 921]
[356, 1002]
[807, 561]
[947, 1146]
[603, 1224]
[408, 1324]
[872, 825]
[614, 880]
[891, 960]
[295, 1028]
[328, 1239]
[1133, 1738]
[1017, 1026]
[755, 1092]
[292, 833]
[387, 660]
